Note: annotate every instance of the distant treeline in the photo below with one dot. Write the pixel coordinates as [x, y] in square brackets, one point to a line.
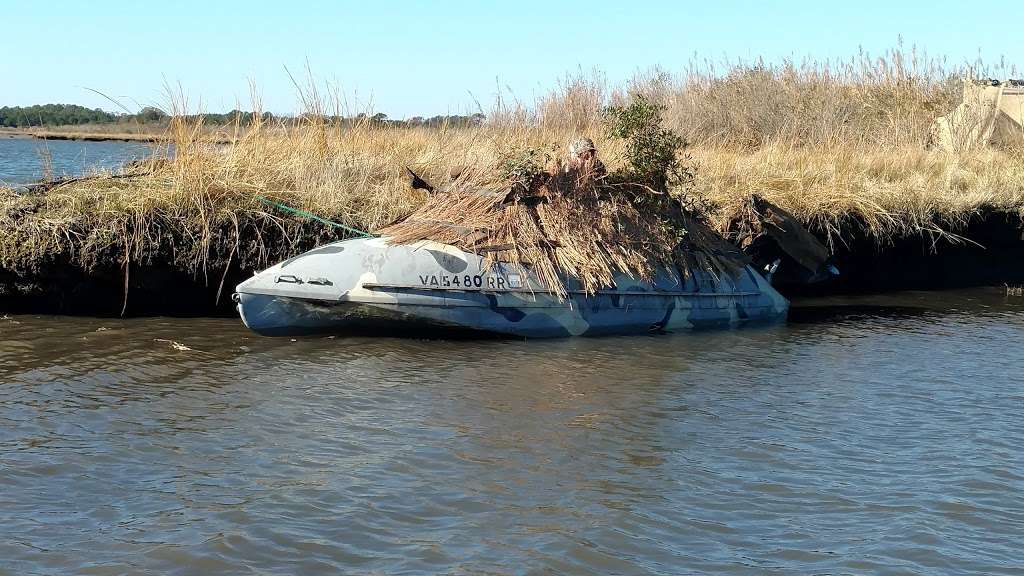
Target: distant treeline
[434, 121]
[72, 115]
[53, 115]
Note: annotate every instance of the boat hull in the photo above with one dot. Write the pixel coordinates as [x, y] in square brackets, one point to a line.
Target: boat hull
[367, 286]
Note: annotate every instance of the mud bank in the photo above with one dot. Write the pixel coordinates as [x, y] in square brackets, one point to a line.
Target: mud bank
[97, 137]
[162, 283]
[82, 136]
[989, 254]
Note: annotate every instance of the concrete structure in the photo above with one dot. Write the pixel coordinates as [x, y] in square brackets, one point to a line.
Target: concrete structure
[990, 112]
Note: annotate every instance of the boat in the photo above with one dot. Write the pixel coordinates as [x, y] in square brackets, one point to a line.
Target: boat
[371, 286]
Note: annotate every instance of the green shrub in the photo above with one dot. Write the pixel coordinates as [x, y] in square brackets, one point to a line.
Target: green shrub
[652, 151]
[525, 170]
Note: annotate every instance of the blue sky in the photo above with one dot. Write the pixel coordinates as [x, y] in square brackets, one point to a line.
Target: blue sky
[419, 58]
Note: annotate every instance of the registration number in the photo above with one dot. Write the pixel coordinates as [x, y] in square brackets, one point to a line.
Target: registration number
[470, 281]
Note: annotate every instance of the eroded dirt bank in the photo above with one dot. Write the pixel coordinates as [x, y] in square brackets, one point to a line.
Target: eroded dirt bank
[989, 253]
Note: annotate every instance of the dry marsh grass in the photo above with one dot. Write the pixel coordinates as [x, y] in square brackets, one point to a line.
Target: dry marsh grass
[893, 192]
[888, 101]
[829, 143]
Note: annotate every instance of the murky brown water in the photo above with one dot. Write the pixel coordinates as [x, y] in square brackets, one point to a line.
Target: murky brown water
[882, 436]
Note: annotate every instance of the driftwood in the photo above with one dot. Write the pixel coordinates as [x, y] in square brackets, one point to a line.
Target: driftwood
[765, 223]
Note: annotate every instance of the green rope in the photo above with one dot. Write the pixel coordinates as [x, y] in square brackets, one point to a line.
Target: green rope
[305, 214]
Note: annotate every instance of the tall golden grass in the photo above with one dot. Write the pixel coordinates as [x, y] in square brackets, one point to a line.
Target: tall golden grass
[828, 142]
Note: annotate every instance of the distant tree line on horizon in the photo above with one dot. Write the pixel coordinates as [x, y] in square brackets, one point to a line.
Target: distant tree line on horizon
[74, 115]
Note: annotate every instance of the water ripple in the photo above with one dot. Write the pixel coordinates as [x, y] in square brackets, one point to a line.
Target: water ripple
[863, 441]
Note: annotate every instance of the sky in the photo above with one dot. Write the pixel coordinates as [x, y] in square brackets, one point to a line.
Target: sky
[407, 58]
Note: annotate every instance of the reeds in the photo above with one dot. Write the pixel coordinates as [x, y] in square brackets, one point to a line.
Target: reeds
[572, 233]
[827, 142]
[888, 101]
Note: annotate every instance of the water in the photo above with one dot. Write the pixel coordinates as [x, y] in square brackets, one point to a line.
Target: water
[22, 159]
[868, 435]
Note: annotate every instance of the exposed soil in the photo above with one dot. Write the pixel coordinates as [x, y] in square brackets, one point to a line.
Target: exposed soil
[163, 283]
[992, 256]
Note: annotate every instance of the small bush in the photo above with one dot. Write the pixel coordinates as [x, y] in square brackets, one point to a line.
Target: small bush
[652, 153]
[525, 170]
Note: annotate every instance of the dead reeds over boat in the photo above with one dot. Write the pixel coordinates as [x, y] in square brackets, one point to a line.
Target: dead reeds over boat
[584, 238]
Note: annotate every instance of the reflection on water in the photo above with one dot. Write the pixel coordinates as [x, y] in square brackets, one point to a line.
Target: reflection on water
[868, 434]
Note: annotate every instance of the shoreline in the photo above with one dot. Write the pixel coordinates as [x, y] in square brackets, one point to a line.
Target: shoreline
[12, 133]
[988, 256]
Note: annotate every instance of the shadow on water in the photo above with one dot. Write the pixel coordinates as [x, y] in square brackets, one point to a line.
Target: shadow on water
[904, 305]
[850, 313]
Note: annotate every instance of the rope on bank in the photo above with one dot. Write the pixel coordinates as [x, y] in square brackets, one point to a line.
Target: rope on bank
[305, 214]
